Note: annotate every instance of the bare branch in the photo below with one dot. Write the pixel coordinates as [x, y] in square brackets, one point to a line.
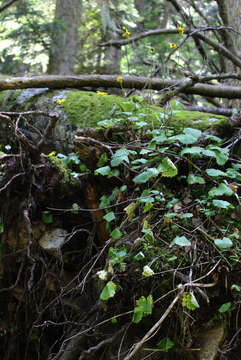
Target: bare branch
[6, 5]
[109, 81]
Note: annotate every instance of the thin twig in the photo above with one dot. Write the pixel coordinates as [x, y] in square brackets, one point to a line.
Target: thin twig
[157, 324]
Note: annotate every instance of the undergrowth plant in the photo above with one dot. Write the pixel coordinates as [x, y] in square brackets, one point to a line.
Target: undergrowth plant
[176, 212]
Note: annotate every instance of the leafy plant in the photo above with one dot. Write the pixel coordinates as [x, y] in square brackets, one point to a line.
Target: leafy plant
[108, 291]
[143, 308]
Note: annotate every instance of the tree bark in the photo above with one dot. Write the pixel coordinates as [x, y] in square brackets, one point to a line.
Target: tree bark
[64, 45]
[229, 11]
[110, 81]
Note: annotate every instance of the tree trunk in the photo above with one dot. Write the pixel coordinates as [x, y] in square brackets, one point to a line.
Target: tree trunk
[230, 11]
[65, 39]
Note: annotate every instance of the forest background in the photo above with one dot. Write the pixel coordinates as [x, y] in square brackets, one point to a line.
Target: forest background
[155, 39]
[150, 217]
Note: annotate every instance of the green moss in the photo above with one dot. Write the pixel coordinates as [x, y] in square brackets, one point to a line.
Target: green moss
[198, 120]
[86, 109]
[66, 173]
[8, 99]
[2, 96]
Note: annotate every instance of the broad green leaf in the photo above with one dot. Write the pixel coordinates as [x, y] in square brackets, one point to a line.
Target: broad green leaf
[180, 241]
[215, 172]
[140, 124]
[195, 179]
[116, 234]
[128, 106]
[225, 307]
[139, 161]
[139, 256]
[160, 138]
[221, 154]
[194, 150]
[233, 174]
[120, 156]
[102, 160]
[106, 123]
[190, 136]
[222, 189]
[222, 204]
[223, 243]
[117, 256]
[145, 176]
[214, 138]
[105, 170]
[108, 291]
[192, 132]
[143, 308]
[165, 344]
[186, 215]
[209, 153]
[114, 320]
[145, 151]
[167, 168]
[109, 217]
[171, 215]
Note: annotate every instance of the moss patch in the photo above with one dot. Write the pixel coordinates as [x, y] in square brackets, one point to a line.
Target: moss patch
[86, 109]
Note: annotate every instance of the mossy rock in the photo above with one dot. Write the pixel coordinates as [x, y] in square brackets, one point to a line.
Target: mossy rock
[80, 109]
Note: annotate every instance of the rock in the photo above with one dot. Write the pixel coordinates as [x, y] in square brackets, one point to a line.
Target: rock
[210, 341]
[53, 240]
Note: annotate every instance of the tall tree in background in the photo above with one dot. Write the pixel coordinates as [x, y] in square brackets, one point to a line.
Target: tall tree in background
[112, 54]
[230, 12]
[64, 45]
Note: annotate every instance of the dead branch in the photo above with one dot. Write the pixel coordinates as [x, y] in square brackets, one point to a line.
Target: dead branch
[110, 81]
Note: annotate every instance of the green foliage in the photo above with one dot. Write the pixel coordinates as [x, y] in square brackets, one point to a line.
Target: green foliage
[116, 256]
[224, 243]
[225, 307]
[116, 234]
[165, 344]
[189, 301]
[222, 189]
[108, 291]
[180, 241]
[47, 217]
[143, 308]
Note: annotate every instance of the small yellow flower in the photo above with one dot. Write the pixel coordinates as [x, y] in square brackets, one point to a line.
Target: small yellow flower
[126, 33]
[101, 93]
[180, 29]
[60, 101]
[53, 153]
[152, 49]
[173, 45]
[119, 79]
